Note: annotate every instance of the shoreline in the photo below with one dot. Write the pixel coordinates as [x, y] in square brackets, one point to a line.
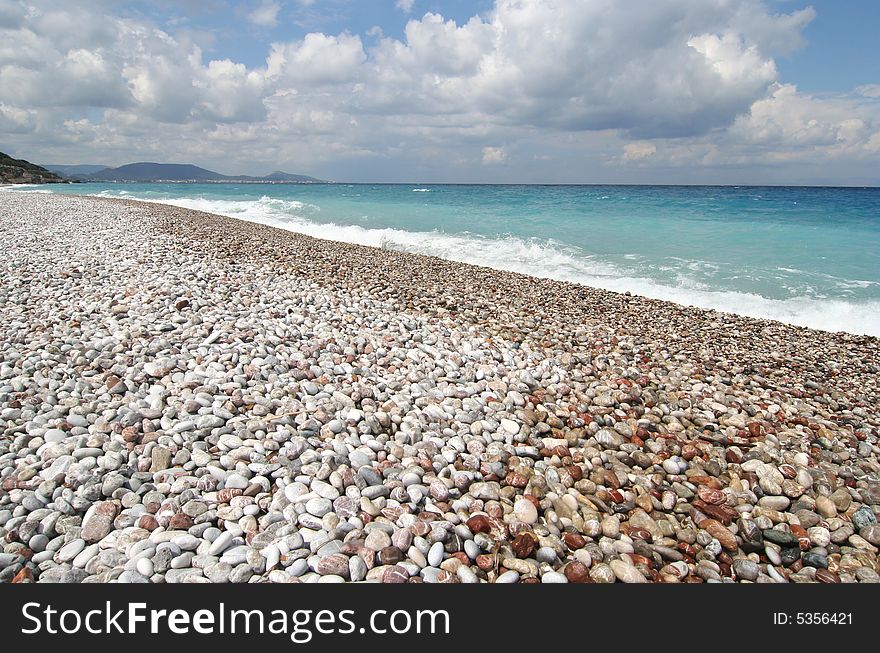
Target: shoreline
[591, 435]
[834, 313]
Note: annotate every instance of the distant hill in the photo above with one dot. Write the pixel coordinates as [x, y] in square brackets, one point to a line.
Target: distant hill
[148, 172]
[286, 176]
[19, 171]
[74, 170]
[154, 172]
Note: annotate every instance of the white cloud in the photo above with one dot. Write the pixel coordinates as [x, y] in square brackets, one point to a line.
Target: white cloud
[317, 59]
[639, 84]
[639, 151]
[266, 14]
[869, 90]
[494, 155]
[405, 5]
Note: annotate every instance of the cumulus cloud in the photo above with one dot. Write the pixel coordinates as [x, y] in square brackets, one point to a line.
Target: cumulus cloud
[405, 5]
[642, 83]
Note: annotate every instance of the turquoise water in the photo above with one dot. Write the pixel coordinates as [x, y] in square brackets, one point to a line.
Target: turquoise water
[806, 256]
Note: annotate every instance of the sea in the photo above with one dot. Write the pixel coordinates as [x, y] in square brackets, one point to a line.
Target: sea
[807, 256]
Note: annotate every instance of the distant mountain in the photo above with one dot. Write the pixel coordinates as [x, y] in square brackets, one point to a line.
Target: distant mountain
[286, 176]
[74, 170]
[147, 172]
[154, 172]
[19, 171]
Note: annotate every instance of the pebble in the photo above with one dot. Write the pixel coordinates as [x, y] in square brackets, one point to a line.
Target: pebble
[509, 576]
[435, 554]
[374, 421]
[525, 511]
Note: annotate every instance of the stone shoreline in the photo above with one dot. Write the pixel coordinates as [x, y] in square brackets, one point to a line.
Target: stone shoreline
[191, 398]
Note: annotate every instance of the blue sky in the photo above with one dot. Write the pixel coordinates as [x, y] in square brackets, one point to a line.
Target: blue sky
[643, 91]
[842, 48]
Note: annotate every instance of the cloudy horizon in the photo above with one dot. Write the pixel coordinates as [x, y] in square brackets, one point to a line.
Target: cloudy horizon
[556, 91]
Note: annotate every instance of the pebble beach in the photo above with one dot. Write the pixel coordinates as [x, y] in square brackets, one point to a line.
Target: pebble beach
[189, 398]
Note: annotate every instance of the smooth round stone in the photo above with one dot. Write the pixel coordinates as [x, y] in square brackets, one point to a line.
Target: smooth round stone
[466, 575]
[670, 466]
[819, 536]
[430, 574]
[509, 576]
[221, 543]
[626, 573]
[553, 577]
[435, 554]
[187, 542]
[825, 507]
[144, 567]
[871, 534]
[132, 576]
[545, 554]
[610, 527]
[70, 550]
[602, 573]
[319, 506]
[294, 491]
[357, 569]
[472, 549]
[525, 511]
[235, 482]
[377, 540]
[816, 560]
[54, 435]
[781, 538]
[746, 569]
[298, 568]
[38, 543]
[773, 555]
[325, 490]
[85, 555]
[775, 502]
[417, 557]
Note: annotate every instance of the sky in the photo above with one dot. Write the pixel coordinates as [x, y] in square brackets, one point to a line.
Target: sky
[486, 91]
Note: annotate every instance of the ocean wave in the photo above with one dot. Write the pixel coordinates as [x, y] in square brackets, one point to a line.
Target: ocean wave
[421, 190]
[551, 259]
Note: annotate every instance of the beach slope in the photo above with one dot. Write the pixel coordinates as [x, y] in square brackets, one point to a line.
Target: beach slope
[191, 398]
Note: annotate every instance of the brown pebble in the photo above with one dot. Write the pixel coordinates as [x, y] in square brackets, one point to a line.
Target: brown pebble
[479, 524]
[825, 576]
[523, 545]
[180, 521]
[577, 572]
[574, 540]
[485, 561]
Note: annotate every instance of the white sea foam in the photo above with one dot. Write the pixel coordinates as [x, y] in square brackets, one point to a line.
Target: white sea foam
[421, 190]
[550, 259]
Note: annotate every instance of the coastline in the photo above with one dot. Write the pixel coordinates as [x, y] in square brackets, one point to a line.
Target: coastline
[588, 435]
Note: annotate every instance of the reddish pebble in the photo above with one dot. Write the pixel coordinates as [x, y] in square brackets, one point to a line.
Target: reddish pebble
[395, 574]
[523, 545]
[23, 576]
[485, 561]
[479, 524]
[574, 540]
[825, 576]
[180, 521]
[711, 495]
[577, 572]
